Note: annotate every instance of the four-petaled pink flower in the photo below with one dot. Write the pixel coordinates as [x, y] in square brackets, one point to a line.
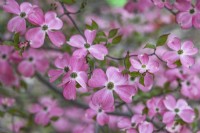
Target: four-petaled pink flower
[45, 110]
[75, 78]
[145, 64]
[162, 3]
[112, 81]
[18, 23]
[48, 24]
[188, 15]
[34, 60]
[85, 45]
[180, 52]
[180, 108]
[99, 106]
[136, 122]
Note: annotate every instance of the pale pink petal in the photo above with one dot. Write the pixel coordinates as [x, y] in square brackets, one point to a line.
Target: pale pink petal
[90, 36]
[144, 59]
[62, 62]
[17, 25]
[11, 6]
[26, 68]
[125, 92]
[184, 19]
[168, 117]
[98, 51]
[80, 53]
[124, 123]
[196, 20]
[170, 56]
[187, 115]
[57, 38]
[26, 7]
[181, 104]
[187, 61]
[77, 41]
[36, 16]
[53, 22]
[153, 66]
[90, 113]
[42, 118]
[36, 37]
[56, 111]
[170, 102]
[102, 118]
[82, 79]
[174, 43]
[145, 127]
[69, 91]
[136, 64]
[98, 78]
[188, 48]
[42, 65]
[77, 63]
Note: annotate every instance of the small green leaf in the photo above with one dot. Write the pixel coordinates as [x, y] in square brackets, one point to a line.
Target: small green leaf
[117, 39]
[95, 26]
[145, 111]
[162, 40]
[89, 27]
[55, 118]
[141, 81]
[151, 46]
[23, 84]
[101, 34]
[1, 113]
[8, 43]
[134, 74]
[178, 63]
[112, 33]
[16, 38]
[127, 62]
[68, 1]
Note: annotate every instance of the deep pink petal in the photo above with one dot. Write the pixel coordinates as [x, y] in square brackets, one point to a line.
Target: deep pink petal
[36, 16]
[170, 56]
[98, 78]
[42, 118]
[144, 59]
[26, 7]
[36, 37]
[69, 91]
[17, 25]
[26, 68]
[184, 19]
[136, 64]
[80, 53]
[57, 38]
[35, 108]
[124, 123]
[196, 20]
[98, 51]
[77, 41]
[82, 79]
[90, 36]
[63, 61]
[56, 111]
[145, 127]
[42, 65]
[11, 6]
[54, 74]
[53, 22]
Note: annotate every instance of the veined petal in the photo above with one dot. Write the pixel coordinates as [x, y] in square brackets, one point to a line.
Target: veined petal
[77, 41]
[69, 91]
[98, 78]
[98, 51]
[90, 36]
[17, 25]
[57, 38]
[53, 22]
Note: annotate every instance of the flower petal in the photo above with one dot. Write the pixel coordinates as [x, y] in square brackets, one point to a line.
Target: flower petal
[53, 21]
[36, 16]
[26, 68]
[90, 36]
[188, 48]
[168, 117]
[170, 102]
[187, 61]
[187, 115]
[69, 91]
[77, 41]
[184, 19]
[56, 37]
[11, 6]
[98, 78]
[98, 51]
[17, 25]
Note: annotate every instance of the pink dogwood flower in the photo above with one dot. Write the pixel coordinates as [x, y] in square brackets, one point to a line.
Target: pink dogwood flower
[47, 23]
[180, 108]
[34, 60]
[85, 46]
[75, 78]
[6, 101]
[182, 52]
[188, 15]
[45, 110]
[18, 23]
[155, 106]
[99, 106]
[112, 81]
[145, 64]
[136, 122]
[162, 3]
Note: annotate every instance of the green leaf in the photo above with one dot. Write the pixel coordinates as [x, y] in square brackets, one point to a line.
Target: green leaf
[68, 1]
[196, 113]
[101, 34]
[8, 43]
[55, 118]
[134, 74]
[117, 39]
[1, 113]
[178, 63]
[16, 38]
[127, 62]
[145, 111]
[162, 40]
[89, 27]
[151, 46]
[94, 25]
[141, 81]
[112, 33]
[17, 112]
[23, 84]
[117, 3]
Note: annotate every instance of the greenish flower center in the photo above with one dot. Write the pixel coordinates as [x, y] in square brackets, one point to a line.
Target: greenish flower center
[143, 66]
[176, 110]
[87, 45]
[73, 75]
[180, 52]
[192, 11]
[132, 78]
[22, 14]
[110, 85]
[30, 59]
[66, 69]
[45, 27]
[4, 56]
